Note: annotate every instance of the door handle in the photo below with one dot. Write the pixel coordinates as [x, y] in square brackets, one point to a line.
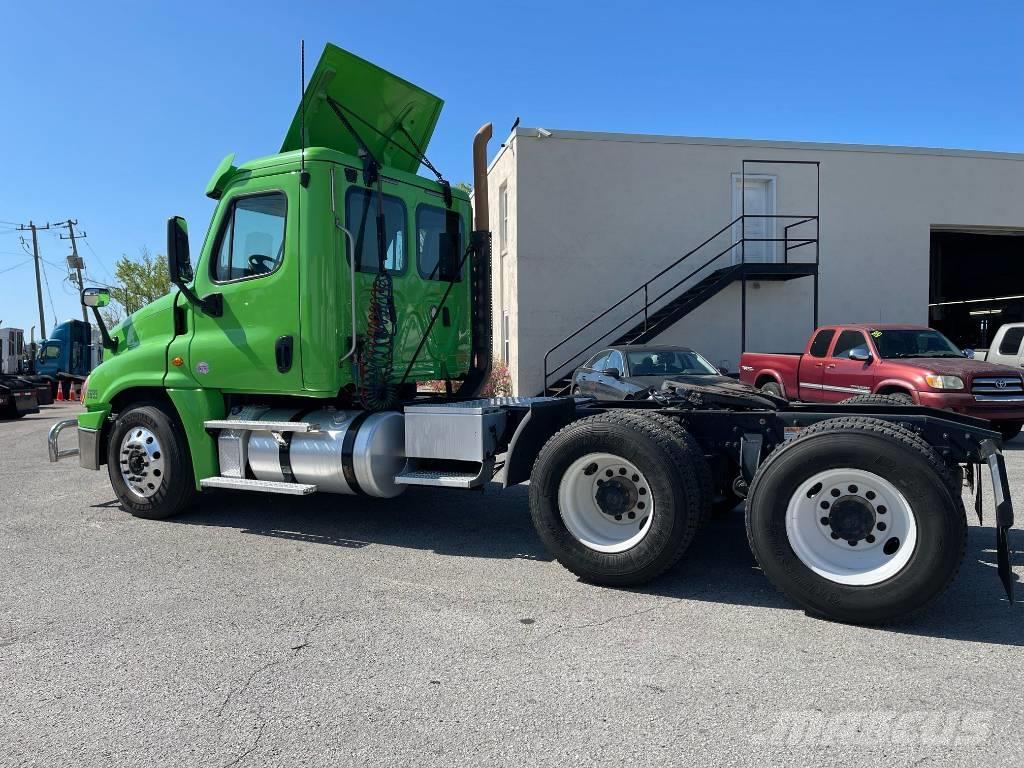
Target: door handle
[831, 365]
[283, 353]
[819, 365]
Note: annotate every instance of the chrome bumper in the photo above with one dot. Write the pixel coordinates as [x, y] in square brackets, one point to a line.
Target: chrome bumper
[88, 450]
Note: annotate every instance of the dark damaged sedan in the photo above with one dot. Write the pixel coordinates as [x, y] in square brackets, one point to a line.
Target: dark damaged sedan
[625, 372]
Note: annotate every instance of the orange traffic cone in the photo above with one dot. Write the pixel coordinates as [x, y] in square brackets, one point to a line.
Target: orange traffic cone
[72, 397]
[60, 393]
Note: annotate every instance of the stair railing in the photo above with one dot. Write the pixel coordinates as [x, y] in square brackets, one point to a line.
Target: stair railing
[789, 243]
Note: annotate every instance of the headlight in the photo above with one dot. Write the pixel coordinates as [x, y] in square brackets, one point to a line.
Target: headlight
[85, 388]
[944, 382]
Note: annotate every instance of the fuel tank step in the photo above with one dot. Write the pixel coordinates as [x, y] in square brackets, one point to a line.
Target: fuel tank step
[445, 478]
[262, 486]
[264, 426]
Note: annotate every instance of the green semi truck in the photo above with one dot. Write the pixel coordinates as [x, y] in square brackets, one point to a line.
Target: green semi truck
[332, 278]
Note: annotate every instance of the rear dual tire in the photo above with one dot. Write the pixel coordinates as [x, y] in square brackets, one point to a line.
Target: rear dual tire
[887, 491]
[617, 497]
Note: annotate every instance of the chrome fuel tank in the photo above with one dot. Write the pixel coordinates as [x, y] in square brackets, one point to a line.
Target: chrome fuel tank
[351, 452]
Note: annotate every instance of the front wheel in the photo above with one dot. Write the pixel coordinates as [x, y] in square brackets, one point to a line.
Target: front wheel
[856, 520]
[1009, 429]
[149, 464]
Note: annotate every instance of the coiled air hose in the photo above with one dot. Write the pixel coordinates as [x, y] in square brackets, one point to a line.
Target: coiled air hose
[377, 392]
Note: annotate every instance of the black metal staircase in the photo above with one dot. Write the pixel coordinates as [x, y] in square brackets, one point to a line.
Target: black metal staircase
[650, 317]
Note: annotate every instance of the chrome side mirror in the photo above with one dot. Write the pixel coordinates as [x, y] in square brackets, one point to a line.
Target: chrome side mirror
[860, 353]
[95, 297]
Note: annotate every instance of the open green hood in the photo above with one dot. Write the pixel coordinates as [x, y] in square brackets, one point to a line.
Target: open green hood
[399, 110]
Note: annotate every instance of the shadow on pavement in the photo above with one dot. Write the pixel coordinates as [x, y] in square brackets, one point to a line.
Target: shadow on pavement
[494, 523]
[718, 567]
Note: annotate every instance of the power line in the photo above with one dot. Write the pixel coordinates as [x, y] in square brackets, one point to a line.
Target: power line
[50, 295]
[19, 264]
[39, 291]
[102, 263]
[74, 260]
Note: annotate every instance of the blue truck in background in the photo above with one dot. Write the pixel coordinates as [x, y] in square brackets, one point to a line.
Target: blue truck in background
[59, 361]
[67, 355]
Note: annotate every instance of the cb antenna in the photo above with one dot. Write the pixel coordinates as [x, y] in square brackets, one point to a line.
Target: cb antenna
[303, 174]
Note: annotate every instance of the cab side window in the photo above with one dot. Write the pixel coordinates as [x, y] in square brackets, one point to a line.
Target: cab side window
[251, 239]
[1010, 345]
[361, 220]
[848, 340]
[819, 347]
[430, 225]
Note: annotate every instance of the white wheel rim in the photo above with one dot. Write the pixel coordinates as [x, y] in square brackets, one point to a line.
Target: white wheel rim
[606, 502]
[142, 462]
[858, 506]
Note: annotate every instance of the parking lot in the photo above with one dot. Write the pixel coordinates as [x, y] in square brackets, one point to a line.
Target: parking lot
[433, 629]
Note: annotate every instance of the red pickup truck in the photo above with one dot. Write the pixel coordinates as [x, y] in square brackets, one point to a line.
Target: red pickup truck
[911, 362]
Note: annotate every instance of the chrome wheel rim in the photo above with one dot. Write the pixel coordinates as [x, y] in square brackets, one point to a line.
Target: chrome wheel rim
[606, 502]
[142, 462]
[851, 526]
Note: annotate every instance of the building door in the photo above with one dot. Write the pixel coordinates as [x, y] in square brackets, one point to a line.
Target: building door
[757, 202]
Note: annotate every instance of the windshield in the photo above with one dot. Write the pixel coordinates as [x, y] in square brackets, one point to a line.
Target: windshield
[912, 342]
[661, 362]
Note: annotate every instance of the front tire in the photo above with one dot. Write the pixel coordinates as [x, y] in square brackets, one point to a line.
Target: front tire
[616, 498]
[870, 482]
[149, 464]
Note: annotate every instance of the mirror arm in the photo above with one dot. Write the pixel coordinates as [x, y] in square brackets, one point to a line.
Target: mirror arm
[108, 343]
[213, 304]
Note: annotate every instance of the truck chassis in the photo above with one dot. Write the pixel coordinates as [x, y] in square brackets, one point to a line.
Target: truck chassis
[853, 511]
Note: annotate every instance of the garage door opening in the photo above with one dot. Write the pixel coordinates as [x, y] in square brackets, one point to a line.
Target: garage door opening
[976, 283]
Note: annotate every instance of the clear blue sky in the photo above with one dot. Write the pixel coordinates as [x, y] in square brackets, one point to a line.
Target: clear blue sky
[117, 113]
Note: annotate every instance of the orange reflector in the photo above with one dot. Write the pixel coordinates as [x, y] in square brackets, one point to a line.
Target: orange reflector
[177, 362]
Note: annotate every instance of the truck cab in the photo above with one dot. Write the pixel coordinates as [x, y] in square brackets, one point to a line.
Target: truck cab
[1007, 347]
[68, 353]
[331, 276]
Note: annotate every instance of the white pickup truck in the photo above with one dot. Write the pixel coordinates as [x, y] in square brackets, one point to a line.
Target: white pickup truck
[1007, 347]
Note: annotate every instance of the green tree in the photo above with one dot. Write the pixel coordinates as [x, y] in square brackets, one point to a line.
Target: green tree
[465, 186]
[140, 281]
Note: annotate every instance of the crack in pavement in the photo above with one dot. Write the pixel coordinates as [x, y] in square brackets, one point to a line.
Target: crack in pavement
[294, 651]
[251, 749]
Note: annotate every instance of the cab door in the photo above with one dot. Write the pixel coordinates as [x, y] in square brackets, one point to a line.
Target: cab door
[845, 377]
[251, 261]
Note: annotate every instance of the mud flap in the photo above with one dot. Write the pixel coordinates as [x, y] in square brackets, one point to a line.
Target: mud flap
[1004, 511]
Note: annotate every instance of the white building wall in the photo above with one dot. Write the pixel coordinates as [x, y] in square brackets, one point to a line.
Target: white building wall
[598, 214]
[501, 180]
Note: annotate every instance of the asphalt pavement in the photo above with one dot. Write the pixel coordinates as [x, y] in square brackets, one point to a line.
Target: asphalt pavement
[434, 630]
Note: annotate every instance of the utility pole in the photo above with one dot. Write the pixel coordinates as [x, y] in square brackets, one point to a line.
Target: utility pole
[39, 285]
[74, 260]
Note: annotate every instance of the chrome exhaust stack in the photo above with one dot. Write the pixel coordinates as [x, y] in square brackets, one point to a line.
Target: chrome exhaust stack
[480, 271]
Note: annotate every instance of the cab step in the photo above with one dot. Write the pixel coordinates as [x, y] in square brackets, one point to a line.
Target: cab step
[261, 486]
[446, 478]
[263, 426]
